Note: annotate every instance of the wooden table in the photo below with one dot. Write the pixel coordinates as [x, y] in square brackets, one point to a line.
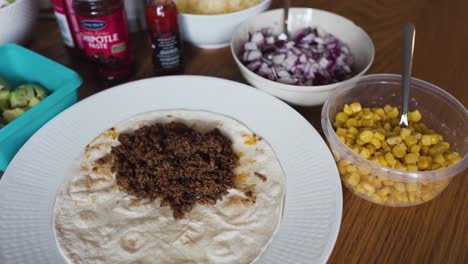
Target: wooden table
[435, 232]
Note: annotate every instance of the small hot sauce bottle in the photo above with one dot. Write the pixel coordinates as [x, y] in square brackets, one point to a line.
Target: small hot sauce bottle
[164, 35]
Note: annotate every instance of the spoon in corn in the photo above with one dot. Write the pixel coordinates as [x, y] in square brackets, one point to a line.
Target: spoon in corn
[409, 33]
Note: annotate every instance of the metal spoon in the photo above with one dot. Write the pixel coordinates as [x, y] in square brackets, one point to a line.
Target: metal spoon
[409, 33]
[285, 35]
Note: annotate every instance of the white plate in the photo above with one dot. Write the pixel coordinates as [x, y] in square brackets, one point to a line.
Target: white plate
[313, 204]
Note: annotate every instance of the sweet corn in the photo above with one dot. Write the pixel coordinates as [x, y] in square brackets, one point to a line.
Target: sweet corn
[376, 143]
[414, 116]
[341, 116]
[374, 134]
[400, 187]
[366, 136]
[341, 131]
[390, 159]
[351, 122]
[347, 109]
[356, 107]
[424, 162]
[405, 132]
[415, 149]
[411, 158]
[365, 152]
[354, 179]
[411, 140]
[426, 140]
[394, 140]
[398, 151]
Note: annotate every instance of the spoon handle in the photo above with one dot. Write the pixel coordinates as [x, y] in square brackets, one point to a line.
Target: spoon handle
[409, 33]
[286, 17]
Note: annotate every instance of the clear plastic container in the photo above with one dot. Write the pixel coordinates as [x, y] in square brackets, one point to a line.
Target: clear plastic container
[383, 185]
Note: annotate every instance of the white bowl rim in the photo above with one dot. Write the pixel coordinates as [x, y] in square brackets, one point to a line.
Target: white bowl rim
[298, 88]
[226, 14]
[9, 5]
[395, 174]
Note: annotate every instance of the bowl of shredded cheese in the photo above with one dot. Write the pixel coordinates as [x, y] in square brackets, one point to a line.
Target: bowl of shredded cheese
[211, 23]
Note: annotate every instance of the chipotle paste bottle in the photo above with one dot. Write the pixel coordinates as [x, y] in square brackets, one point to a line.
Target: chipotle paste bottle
[105, 36]
[163, 30]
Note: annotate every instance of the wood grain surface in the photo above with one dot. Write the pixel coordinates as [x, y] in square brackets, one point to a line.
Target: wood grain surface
[435, 232]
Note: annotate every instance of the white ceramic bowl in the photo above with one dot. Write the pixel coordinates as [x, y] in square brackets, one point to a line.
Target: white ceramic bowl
[355, 37]
[215, 31]
[17, 20]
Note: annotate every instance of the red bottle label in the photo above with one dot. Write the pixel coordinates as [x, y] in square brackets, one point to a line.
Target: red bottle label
[106, 41]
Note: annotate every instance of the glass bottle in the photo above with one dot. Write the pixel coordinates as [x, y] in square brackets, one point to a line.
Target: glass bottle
[105, 36]
[164, 35]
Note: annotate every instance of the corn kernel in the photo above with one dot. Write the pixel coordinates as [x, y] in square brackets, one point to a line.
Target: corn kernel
[356, 149]
[411, 158]
[439, 158]
[377, 183]
[366, 136]
[360, 142]
[398, 151]
[414, 116]
[365, 152]
[426, 140]
[341, 131]
[412, 167]
[388, 182]
[351, 168]
[381, 160]
[351, 122]
[337, 124]
[356, 107]
[347, 109]
[400, 187]
[363, 172]
[380, 112]
[412, 187]
[376, 143]
[371, 148]
[376, 199]
[390, 159]
[341, 116]
[404, 132]
[359, 189]
[426, 196]
[394, 113]
[400, 166]
[384, 191]
[453, 161]
[411, 140]
[435, 166]
[394, 140]
[367, 115]
[353, 130]
[412, 197]
[424, 162]
[435, 139]
[387, 108]
[451, 156]
[343, 139]
[415, 149]
[354, 179]
[368, 187]
[366, 123]
[387, 127]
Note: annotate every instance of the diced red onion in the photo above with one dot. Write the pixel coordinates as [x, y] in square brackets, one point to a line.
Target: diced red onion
[311, 57]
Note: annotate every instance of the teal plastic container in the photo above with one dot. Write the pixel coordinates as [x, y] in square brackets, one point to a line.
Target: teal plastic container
[18, 66]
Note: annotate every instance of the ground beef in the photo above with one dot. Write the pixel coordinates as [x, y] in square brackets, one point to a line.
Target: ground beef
[175, 163]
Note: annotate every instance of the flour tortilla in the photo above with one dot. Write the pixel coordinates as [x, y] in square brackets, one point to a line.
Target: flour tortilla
[95, 222]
